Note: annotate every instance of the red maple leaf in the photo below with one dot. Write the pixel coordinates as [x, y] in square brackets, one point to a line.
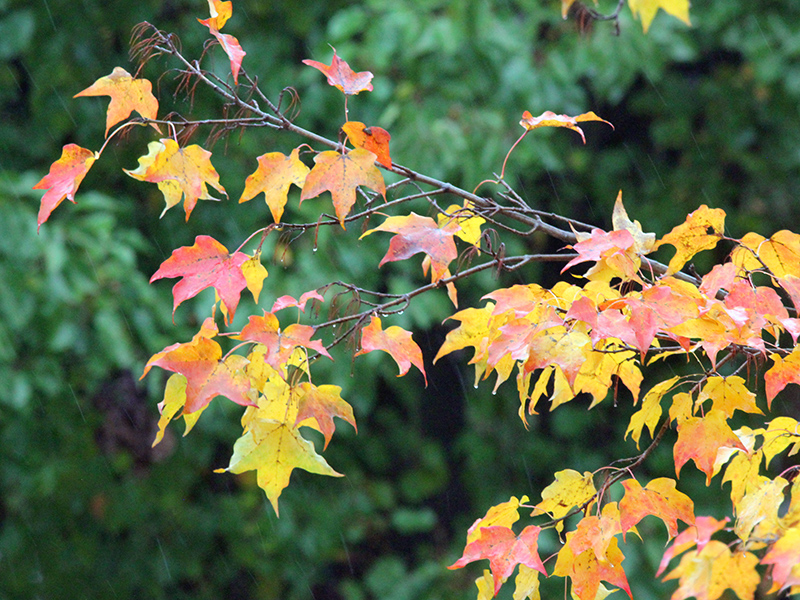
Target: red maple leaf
[206, 376]
[64, 178]
[340, 75]
[420, 234]
[699, 439]
[504, 551]
[205, 264]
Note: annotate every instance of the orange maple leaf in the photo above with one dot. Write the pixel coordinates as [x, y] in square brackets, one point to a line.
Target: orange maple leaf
[707, 573]
[658, 498]
[551, 119]
[339, 174]
[274, 175]
[206, 263]
[340, 75]
[504, 551]
[374, 139]
[395, 341]
[322, 403]
[702, 230]
[586, 571]
[127, 95]
[783, 372]
[280, 343]
[64, 178]
[179, 173]
[220, 13]
[700, 438]
[784, 555]
[206, 376]
[419, 234]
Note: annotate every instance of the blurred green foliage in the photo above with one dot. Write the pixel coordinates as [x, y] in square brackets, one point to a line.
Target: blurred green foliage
[702, 115]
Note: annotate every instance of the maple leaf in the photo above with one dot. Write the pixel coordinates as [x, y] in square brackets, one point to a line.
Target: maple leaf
[659, 498]
[570, 489]
[322, 403]
[646, 10]
[699, 439]
[274, 175]
[551, 119]
[526, 584]
[701, 231]
[339, 174]
[596, 532]
[707, 573]
[206, 376]
[504, 551]
[254, 274]
[288, 301]
[64, 178]
[395, 341]
[729, 394]
[340, 75]
[504, 514]
[174, 400]
[419, 234]
[780, 253]
[274, 449]
[780, 433]
[586, 571]
[220, 13]
[206, 263]
[280, 344]
[374, 139]
[783, 372]
[468, 221]
[179, 173]
[757, 512]
[698, 535]
[643, 242]
[784, 555]
[650, 413]
[127, 95]
[600, 245]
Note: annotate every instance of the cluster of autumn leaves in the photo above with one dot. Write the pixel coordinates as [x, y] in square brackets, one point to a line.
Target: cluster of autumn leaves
[572, 340]
[562, 342]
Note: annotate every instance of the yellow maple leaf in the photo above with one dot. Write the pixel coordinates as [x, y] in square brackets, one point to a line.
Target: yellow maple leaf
[646, 10]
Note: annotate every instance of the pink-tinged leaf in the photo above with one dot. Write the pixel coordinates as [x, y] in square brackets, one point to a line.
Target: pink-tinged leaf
[697, 535]
[551, 119]
[280, 343]
[340, 75]
[396, 342]
[288, 301]
[374, 139]
[64, 178]
[601, 244]
[504, 551]
[417, 234]
[205, 264]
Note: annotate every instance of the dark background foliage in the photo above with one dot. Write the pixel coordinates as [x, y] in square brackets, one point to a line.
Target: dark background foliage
[706, 114]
